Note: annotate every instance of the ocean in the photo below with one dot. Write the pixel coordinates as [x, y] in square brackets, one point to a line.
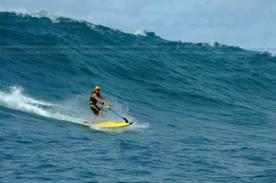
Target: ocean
[201, 112]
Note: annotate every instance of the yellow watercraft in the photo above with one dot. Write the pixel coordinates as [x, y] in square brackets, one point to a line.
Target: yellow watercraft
[113, 124]
[109, 124]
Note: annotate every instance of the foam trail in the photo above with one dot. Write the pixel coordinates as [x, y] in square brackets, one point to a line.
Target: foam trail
[15, 99]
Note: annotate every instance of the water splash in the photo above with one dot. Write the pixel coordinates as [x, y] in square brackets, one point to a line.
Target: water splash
[15, 98]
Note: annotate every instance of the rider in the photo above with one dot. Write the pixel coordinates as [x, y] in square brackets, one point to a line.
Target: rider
[94, 99]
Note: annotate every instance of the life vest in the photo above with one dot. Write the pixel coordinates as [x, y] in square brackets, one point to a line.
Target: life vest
[92, 100]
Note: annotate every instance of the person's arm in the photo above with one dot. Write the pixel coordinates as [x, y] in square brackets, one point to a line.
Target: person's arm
[98, 98]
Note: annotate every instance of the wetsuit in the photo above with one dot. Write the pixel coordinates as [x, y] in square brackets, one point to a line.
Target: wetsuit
[93, 104]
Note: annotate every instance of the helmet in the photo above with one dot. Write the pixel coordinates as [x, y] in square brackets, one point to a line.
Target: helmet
[97, 87]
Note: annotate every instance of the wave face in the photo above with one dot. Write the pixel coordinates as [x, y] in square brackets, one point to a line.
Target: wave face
[202, 112]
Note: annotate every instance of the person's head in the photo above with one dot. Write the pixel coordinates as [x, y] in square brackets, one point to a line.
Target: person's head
[97, 89]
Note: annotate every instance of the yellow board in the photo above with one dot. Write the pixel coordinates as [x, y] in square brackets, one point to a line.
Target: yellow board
[113, 124]
[107, 124]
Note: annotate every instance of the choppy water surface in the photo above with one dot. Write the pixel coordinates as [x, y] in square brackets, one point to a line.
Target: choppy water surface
[202, 113]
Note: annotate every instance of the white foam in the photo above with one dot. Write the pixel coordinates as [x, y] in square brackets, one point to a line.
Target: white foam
[54, 17]
[72, 110]
[37, 14]
[44, 13]
[140, 33]
[15, 99]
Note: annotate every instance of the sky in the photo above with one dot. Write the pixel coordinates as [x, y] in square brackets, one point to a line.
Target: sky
[246, 23]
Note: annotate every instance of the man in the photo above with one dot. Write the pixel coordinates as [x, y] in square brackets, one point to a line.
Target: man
[97, 98]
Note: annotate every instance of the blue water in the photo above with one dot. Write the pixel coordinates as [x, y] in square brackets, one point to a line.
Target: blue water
[201, 112]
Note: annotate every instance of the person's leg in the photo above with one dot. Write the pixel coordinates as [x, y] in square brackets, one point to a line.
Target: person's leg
[97, 112]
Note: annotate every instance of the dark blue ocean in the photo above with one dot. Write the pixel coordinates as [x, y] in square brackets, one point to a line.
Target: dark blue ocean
[201, 112]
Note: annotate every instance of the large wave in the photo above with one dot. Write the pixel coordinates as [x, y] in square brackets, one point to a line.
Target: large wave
[211, 108]
[59, 60]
